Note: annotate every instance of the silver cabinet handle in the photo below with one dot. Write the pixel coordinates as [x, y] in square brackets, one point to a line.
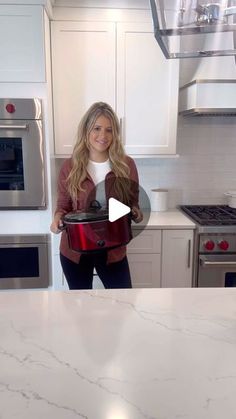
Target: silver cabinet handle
[9, 127]
[189, 253]
[122, 133]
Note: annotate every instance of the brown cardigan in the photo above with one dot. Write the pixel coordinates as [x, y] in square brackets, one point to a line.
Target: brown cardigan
[65, 205]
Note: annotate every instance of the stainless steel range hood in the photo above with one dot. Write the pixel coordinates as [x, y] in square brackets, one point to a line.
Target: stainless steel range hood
[208, 98]
[195, 28]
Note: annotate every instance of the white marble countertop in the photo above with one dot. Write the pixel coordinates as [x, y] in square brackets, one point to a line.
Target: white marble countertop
[170, 219]
[118, 354]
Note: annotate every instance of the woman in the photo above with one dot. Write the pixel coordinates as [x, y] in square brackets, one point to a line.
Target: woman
[98, 156]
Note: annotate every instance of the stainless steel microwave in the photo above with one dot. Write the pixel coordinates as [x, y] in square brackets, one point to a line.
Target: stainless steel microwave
[22, 162]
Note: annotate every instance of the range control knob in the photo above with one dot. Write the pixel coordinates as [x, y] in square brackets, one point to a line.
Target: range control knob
[10, 108]
[223, 245]
[209, 245]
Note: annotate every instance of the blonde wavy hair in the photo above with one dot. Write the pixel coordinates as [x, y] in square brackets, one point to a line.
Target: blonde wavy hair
[80, 155]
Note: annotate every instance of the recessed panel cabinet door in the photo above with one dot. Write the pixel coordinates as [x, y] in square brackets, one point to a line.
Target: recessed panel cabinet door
[83, 68]
[22, 56]
[177, 258]
[147, 91]
[144, 256]
[145, 270]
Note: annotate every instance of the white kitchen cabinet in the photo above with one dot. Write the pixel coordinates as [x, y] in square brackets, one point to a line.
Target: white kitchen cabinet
[119, 63]
[177, 258]
[144, 256]
[59, 280]
[147, 91]
[22, 44]
[83, 67]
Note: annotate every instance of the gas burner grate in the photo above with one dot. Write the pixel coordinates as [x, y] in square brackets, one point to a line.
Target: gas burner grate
[211, 214]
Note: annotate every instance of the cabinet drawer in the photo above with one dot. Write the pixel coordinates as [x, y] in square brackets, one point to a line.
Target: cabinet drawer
[148, 241]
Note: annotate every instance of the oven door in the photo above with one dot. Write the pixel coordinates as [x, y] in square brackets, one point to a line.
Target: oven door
[22, 175]
[217, 270]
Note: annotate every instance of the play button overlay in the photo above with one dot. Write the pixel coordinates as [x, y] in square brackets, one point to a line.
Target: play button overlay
[116, 209]
[113, 206]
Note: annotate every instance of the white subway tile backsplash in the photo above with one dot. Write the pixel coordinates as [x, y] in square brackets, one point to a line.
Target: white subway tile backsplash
[206, 167]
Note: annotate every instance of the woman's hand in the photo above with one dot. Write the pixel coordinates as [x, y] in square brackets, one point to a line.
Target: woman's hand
[137, 214]
[57, 224]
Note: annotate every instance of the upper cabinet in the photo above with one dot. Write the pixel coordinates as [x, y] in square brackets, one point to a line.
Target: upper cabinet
[147, 92]
[119, 63]
[83, 63]
[22, 44]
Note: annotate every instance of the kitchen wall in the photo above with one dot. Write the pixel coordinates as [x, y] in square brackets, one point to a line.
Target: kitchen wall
[205, 168]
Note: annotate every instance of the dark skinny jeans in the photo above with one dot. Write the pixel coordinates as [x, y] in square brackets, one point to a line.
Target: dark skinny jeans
[80, 275]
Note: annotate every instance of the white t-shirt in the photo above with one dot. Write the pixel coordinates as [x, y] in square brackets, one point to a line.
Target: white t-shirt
[98, 172]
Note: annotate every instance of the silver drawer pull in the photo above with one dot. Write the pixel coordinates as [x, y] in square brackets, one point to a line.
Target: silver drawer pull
[225, 264]
[9, 127]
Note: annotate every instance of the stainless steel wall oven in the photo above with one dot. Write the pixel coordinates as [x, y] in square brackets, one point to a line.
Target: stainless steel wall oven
[24, 261]
[22, 163]
[215, 245]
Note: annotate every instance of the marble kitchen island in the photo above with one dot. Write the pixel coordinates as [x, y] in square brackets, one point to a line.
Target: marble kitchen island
[118, 354]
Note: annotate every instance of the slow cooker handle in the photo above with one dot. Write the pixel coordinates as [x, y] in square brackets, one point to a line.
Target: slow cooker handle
[95, 204]
[62, 226]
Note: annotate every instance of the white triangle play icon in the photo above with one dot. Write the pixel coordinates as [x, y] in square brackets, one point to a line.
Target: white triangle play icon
[116, 209]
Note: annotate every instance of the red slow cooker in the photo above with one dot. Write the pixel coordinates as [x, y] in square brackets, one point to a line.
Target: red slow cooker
[92, 231]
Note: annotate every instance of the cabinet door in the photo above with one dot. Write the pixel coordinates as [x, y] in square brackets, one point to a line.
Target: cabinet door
[147, 92]
[83, 67]
[144, 259]
[145, 270]
[58, 279]
[177, 257]
[22, 44]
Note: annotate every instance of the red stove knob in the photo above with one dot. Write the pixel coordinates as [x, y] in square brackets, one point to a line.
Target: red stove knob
[209, 245]
[10, 108]
[223, 245]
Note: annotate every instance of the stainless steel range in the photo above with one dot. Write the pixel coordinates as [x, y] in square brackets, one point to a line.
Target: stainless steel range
[215, 244]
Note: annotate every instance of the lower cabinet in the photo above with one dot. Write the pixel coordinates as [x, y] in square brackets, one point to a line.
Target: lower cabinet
[145, 270]
[161, 258]
[144, 256]
[177, 258]
[59, 280]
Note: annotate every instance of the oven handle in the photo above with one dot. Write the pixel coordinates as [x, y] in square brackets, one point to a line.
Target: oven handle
[225, 264]
[9, 127]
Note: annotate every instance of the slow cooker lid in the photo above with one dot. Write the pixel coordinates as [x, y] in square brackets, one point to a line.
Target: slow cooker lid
[83, 217]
